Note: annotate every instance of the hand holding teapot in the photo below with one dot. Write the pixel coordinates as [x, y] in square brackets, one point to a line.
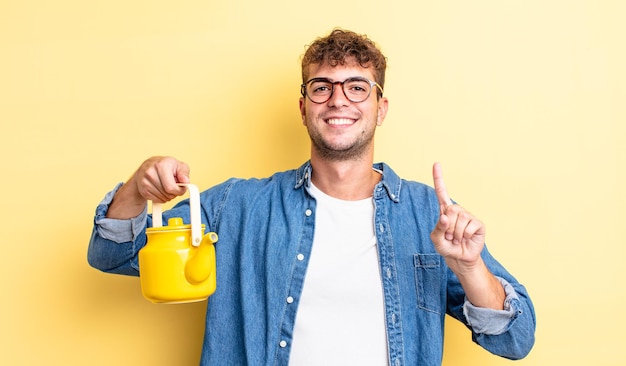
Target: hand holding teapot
[156, 180]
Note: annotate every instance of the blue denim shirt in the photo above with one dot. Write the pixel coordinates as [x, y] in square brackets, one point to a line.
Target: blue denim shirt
[265, 229]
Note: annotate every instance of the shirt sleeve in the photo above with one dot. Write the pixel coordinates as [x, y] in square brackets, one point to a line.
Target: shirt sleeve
[491, 321]
[117, 230]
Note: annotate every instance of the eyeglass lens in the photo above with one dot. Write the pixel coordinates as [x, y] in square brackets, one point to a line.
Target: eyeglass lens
[355, 89]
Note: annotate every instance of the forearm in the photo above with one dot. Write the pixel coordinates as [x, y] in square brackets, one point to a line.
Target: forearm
[481, 287]
[127, 202]
[114, 243]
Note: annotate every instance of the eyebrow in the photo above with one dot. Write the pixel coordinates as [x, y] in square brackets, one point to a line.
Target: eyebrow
[334, 81]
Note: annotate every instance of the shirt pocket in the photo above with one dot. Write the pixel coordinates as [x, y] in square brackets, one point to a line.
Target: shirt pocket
[428, 281]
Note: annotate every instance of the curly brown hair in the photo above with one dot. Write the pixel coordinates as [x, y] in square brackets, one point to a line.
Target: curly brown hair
[341, 47]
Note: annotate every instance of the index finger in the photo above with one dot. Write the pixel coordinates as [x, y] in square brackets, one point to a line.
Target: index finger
[440, 186]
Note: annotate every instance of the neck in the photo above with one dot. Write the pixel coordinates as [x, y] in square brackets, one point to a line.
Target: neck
[347, 180]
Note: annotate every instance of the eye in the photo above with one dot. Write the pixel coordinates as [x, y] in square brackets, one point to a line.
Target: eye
[357, 86]
[320, 87]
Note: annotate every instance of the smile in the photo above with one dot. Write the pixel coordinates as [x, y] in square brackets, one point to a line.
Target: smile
[339, 121]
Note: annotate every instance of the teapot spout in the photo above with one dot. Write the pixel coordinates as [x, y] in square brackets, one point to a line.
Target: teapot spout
[201, 263]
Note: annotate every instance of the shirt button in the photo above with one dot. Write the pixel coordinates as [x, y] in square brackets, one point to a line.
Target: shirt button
[300, 257]
[308, 212]
[283, 344]
[289, 300]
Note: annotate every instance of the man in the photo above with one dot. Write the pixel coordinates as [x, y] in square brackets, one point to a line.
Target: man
[337, 262]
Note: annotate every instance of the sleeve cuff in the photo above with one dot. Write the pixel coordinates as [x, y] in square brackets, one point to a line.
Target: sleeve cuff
[118, 231]
[491, 321]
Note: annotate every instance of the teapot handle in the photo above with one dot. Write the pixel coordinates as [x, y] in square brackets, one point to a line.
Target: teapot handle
[157, 214]
[194, 213]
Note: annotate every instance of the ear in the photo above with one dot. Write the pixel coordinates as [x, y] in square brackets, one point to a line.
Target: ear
[383, 105]
[303, 110]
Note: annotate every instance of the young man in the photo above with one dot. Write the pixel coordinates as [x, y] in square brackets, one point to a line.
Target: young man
[338, 262]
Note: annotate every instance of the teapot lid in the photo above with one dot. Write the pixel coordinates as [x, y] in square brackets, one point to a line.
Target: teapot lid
[194, 214]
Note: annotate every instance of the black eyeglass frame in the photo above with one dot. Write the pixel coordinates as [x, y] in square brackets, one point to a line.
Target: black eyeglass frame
[303, 88]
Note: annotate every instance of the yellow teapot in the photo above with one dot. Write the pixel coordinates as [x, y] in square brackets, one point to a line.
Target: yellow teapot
[177, 264]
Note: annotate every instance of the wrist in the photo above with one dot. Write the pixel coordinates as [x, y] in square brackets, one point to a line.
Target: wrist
[465, 269]
[127, 202]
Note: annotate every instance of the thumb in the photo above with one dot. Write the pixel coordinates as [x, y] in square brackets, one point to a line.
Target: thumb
[182, 173]
[440, 229]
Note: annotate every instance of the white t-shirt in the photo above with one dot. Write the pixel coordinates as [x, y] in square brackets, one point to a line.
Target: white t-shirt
[341, 317]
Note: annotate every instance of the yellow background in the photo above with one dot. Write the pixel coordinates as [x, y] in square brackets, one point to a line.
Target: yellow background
[521, 101]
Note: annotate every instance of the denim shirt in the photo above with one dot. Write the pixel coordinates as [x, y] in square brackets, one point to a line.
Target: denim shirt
[266, 228]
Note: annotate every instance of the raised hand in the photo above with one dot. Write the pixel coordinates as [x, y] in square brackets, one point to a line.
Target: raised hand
[458, 236]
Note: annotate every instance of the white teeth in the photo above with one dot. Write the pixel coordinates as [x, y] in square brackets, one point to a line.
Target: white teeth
[340, 121]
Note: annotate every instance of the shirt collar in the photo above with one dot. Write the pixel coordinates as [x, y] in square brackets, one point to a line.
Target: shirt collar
[389, 184]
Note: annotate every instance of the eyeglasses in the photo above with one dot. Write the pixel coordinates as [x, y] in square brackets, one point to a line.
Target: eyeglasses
[356, 89]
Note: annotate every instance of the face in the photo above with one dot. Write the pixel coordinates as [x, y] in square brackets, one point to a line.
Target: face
[340, 129]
